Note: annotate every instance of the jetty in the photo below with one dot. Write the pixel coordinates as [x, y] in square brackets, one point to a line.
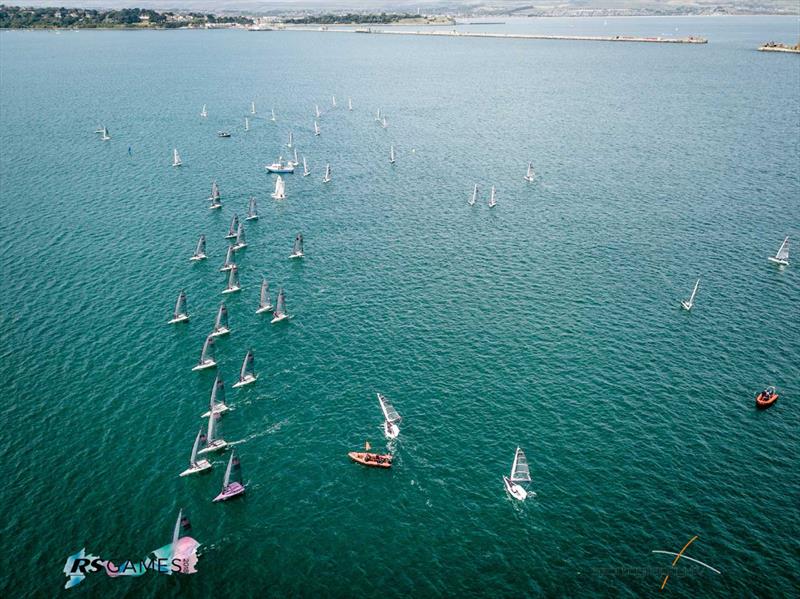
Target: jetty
[520, 36]
[774, 47]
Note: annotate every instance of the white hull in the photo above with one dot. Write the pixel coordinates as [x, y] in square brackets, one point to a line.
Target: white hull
[204, 365]
[297, 255]
[686, 305]
[231, 289]
[199, 466]
[221, 332]
[326, 180]
[280, 171]
[515, 491]
[230, 236]
[252, 218]
[176, 164]
[215, 207]
[181, 318]
[198, 257]
[226, 268]
[239, 246]
[220, 408]
[528, 179]
[216, 445]
[245, 381]
[269, 308]
[279, 318]
[778, 261]
[275, 196]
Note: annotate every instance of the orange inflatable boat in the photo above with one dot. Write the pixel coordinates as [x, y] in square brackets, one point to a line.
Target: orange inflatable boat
[371, 459]
[766, 398]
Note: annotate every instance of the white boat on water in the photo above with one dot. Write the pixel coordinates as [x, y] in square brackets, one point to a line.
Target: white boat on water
[297, 250]
[280, 189]
[212, 442]
[216, 404]
[196, 465]
[688, 304]
[327, 177]
[204, 112]
[295, 162]
[252, 210]
[306, 172]
[264, 300]
[520, 473]
[104, 136]
[239, 243]
[333, 101]
[232, 482]
[391, 154]
[206, 356]
[280, 166]
[384, 124]
[246, 124]
[280, 311]
[273, 116]
[252, 107]
[246, 374]
[378, 115]
[233, 281]
[221, 326]
[180, 313]
[492, 199]
[530, 175]
[289, 142]
[391, 419]
[216, 202]
[782, 257]
[200, 250]
[231, 234]
[316, 128]
[230, 260]
[474, 197]
[317, 113]
[349, 104]
[176, 158]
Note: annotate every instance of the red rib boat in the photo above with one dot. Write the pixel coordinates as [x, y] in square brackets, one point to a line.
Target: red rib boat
[766, 398]
[374, 460]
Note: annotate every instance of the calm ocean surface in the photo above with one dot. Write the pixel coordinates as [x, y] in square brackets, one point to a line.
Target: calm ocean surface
[551, 322]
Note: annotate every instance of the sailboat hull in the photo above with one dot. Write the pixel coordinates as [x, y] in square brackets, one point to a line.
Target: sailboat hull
[279, 318]
[205, 365]
[276, 196]
[238, 246]
[280, 169]
[221, 332]
[231, 289]
[686, 305]
[215, 207]
[230, 236]
[229, 492]
[216, 445]
[226, 267]
[528, 179]
[198, 467]
[245, 381]
[778, 261]
[181, 318]
[220, 408]
[297, 255]
[255, 217]
[198, 257]
[515, 491]
[269, 308]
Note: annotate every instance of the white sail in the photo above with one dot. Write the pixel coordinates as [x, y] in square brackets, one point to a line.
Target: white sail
[230, 261]
[212, 425]
[389, 413]
[316, 128]
[221, 321]
[474, 197]
[306, 172]
[317, 113]
[689, 303]
[280, 309]
[333, 101]
[180, 306]
[208, 350]
[529, 174]
[280, 189]
[327, 176]
[247, 366]
[233, 279]
[295, 162]
[252, 107]
[264, 299]
[176, 158]
[252, 209]
[297, 249]
[349, 104]
[176, 532]
[227, 480]
[384, 123]
[289, 143]
[391, 154]
[200, 250]
[233, 227]
[783, 251]
[204, 112]
[246, 124]
[273, 115]
[240, 240]
[492, 199]
[378, 115]
[217, 395]
[519, 469]
[195, 447]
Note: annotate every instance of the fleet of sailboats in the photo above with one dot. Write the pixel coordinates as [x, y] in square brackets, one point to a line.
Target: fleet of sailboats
[297, 249]
[688, 304]
[280, 189]
[247, 374]
[200, 250]
[180, 314]
[782, 256]
[520, 474]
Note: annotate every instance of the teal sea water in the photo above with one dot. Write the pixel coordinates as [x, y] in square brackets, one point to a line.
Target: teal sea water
[551, 322]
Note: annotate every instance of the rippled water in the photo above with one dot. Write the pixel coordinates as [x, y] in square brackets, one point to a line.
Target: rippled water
[551, 322]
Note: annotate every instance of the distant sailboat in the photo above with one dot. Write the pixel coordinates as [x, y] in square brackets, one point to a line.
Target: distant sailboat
[349, 104]
[327, 177]
[273, 115]
[221, 323]
[306, 172]
[280, 189]
[297, 250]
[264, 301]
[529, 176]
[104, 136]
[289, 142]
[317, 113]
[176, 158]
[252, 107]
[216, 203]
[391, 419]
[207, 355]
[196, 465]
[204, 112]
[492, 199]
[391, 154]
[212, 442]
[233, 281]
[384, 124]
[231, 234]
[689, 304]
[232, 482]
[246, 374]
[316, 128]
[295, 162]
[200, 250]
[216, 404]
[782, 257]
[280, 311]
[230, 260]
[246, 124]
[474, 197]
[240, 242]
[180, 314]
[520, 473]
[252, 210]
[378, 115]
[333, 101]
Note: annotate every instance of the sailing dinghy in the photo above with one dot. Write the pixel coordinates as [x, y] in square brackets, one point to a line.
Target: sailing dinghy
[176, 158]
[529, 176]
[233, 281]
[391, 154]
[104, 136]
[230, 261]
[180, 314]
[316, 128]
[252, 210]
[333, 101]
[232, 229]
[492, 199]
[391, 419]
[474, 197]
[246, 124]
[200, 250]
[232, 483]
[204, 112]
[295, 162]
[196, 465]
[216, 203]
[240, 242]
[520, 473]
[246, 374]
[217, 403]
[289, 141]
[280, 189]
[327, 177]
[782, 257]
[212, 442]
[207, 355]
[688, 304]
[317, 113]
[280, 310]
[252, 107]
[297, 250]
[349, 104]
[221, 322]
[273, 116]
[306, 172]
[264, 301]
